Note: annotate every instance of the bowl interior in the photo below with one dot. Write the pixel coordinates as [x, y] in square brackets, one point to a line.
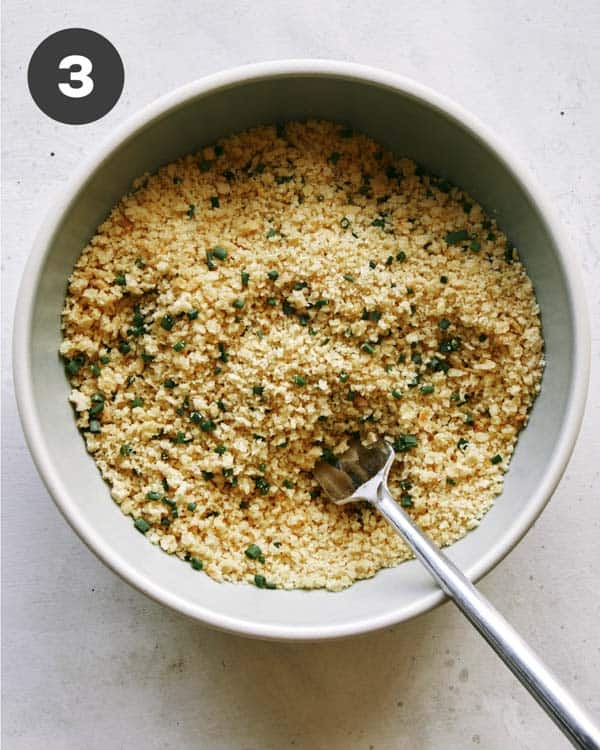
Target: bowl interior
[409, 126]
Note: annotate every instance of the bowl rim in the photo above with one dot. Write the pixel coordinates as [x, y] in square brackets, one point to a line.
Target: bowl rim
[23, 381]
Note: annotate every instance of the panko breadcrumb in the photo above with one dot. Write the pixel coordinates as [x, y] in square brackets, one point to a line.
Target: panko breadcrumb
[246, 310]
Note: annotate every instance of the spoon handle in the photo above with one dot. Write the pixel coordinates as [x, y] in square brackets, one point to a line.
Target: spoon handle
[502, 637]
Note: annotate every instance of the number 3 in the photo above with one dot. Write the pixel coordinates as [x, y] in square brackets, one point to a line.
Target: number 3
[82, 76]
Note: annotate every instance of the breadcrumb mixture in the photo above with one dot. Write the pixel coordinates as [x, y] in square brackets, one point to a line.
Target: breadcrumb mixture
[247, 309]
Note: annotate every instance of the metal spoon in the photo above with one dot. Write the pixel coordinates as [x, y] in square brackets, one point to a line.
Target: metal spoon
[361, 474]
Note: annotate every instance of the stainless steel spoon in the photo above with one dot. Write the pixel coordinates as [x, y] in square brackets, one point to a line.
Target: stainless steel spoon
[361, 474]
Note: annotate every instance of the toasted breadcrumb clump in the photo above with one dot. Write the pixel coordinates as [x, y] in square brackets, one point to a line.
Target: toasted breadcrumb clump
[247, 309]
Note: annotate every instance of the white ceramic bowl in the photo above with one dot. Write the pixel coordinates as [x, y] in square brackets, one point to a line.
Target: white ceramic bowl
[407, 118]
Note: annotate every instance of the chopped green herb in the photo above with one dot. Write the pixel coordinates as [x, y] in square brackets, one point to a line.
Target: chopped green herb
[223, 356]
[351, 395]
[482, 337]
[140, 263]
[368, 348]
[258, 390]
[137, 401]
[261, 485]
[141, 525]
[475, 246]
[120, 279]
[405, 443]
[288, 484]
[245, 279]
[105, 359]
[401, 256]
[192, 507]
[262, 583]
[396, 393]
[124, 347]
[349, 278]
[126, 450]
[95, 426]
[271, 233]
[299, 380]
[254, 552]
[497, 459]
[456, 237]
[462, 444]
[192, 314]
[449, 345]
[219, 252]
[179, 346]
[153, 495]
[191, 212]
[272, 301]
[180, 438]
[97, 404]
[427, 389]
[344, 376]
[196, 564]
[209, 260]
[451, 482]
[220, 449]
[73, 366]
[345, 222]
[410, 291]
[406, 500]
[239, 304]
[444, 323]
[207, 475]
[167, 322]
[95, 370]
[273, 275]
[443, 279]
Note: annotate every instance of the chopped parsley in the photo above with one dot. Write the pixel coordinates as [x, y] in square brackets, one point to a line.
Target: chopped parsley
[405, 443]
[167, 322]
[456, 237]
[254, 552]
[141, 525]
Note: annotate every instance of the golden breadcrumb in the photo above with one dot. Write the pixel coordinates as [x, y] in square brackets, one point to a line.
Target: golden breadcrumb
[245, 310]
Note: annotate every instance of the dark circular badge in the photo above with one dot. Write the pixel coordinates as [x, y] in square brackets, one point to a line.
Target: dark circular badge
[75, 76]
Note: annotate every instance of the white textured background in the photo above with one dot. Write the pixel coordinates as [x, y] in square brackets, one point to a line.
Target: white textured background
[90, 663]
